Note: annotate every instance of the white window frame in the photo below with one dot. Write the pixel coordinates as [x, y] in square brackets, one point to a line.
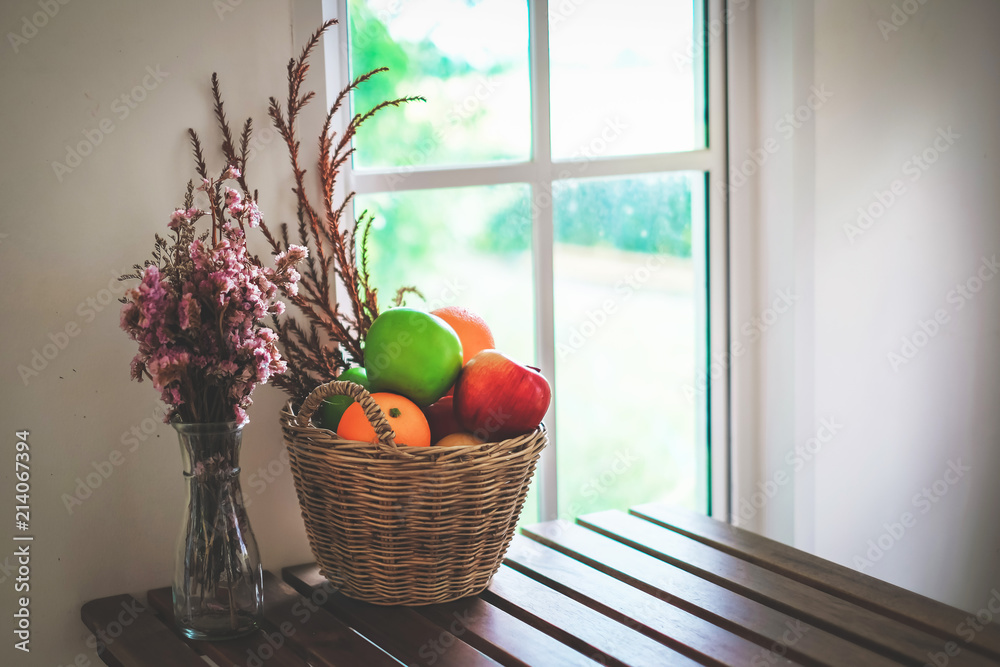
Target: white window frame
[539, 173]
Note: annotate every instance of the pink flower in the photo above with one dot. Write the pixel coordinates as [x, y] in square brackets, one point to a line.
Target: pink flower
[227, 367]
[284, 274]
[137, 367]
[205, 185]
[198, 321]
[129, 315]
[241, 416]
[253, 213]
[234, 200]
[177, 217]
[168, 367]
[152, 298]
[197, 249]
[189, 312]
[231, 172]
[293, 255]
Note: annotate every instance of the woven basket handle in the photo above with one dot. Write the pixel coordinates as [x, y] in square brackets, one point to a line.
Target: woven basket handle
[386, 436]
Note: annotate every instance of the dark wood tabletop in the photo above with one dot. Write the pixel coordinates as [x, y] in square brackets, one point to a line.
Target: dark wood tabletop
[655, 586]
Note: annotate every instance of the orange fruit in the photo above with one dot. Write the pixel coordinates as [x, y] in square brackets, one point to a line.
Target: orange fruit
[458, 440]
[472, 330]
[404, 417]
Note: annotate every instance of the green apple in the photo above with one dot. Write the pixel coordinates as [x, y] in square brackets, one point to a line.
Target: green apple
[329, 413]
[412, 353]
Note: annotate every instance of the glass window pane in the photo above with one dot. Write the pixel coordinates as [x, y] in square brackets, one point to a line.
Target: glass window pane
[469, 59]
[630, 334]
[627, 78]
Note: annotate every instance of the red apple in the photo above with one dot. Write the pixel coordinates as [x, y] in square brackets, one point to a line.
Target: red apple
[497, 398]
[441, 417]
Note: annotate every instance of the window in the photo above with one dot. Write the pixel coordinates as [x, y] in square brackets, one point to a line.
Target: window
[555, 181]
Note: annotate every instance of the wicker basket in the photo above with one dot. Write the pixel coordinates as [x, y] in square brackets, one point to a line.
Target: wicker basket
[392, 524]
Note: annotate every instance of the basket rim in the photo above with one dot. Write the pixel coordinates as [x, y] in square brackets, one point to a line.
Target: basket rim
[290, 421]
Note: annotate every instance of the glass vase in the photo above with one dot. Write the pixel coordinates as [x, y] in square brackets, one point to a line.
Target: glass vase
[218, 580]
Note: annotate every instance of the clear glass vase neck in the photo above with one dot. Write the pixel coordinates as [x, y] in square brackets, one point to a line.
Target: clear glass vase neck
[210, 450]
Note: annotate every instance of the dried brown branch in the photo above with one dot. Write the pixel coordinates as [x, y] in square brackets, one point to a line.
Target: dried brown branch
[332, 341]
[402, 292]
[228, 148]
[199, 157]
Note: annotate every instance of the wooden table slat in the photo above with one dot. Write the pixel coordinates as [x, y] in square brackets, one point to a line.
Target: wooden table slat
[145, 642]
[106, 656]
[720, 606]
[400, 631]
[880, 596]
[274, 652]
[315, 632]
[503, 637]
[861, 625]
[689, 634]
[578, 626]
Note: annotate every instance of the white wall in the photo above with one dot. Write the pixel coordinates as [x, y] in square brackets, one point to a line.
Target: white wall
[862, 290]
[66, 240]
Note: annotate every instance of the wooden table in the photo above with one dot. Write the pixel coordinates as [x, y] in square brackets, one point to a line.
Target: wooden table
[656, 586]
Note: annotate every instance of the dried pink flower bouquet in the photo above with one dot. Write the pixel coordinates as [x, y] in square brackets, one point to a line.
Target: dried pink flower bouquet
[197, 313]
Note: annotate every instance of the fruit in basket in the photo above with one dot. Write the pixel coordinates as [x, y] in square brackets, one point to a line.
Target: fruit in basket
[460, 439]
[441, 417]
[412, 353]
[497, 398]
[472, 330]
[329, 413]
[405, 418]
